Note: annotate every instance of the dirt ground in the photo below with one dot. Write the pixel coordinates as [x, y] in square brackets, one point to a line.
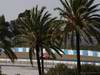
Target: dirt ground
[19, 70]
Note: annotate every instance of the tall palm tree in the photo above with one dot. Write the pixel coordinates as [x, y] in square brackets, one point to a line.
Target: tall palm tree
[5, 40]
[38, 32]
[81, 23]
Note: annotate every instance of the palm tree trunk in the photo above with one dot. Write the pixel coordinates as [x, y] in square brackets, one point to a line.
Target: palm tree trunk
[38, 59]
[0, 70]
[78, 53]
[42, 61]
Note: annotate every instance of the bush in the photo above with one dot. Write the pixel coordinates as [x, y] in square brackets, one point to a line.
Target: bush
[62, 69]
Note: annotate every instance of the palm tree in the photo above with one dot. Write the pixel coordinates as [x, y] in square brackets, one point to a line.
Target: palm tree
[5, 40]
[37, 30]
[81, 23]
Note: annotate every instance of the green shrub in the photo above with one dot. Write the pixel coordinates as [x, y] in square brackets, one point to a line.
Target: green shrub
[62, 69]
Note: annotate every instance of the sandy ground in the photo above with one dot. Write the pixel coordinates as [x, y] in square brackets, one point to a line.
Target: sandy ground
[19, 70]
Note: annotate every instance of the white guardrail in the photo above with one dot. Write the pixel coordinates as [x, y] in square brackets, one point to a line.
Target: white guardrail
[26, 62]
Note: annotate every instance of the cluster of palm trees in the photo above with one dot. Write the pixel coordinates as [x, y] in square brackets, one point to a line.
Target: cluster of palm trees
[38, 30]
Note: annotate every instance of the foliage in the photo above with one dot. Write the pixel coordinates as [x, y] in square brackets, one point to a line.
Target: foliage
[37, 29]
[62, 69]
[37, 25]
[5, 39]
[82, 24]
[81, 15]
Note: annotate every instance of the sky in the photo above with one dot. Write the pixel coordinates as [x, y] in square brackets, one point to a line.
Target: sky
[11, 8]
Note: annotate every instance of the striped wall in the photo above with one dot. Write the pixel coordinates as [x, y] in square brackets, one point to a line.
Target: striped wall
[87, 56]
[68, 52]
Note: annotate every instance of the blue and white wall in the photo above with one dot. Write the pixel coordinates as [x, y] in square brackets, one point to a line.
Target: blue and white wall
[21, 50]
[68, 52]
[71, 52]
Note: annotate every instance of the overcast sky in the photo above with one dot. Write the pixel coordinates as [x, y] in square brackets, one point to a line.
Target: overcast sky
[11, 8]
